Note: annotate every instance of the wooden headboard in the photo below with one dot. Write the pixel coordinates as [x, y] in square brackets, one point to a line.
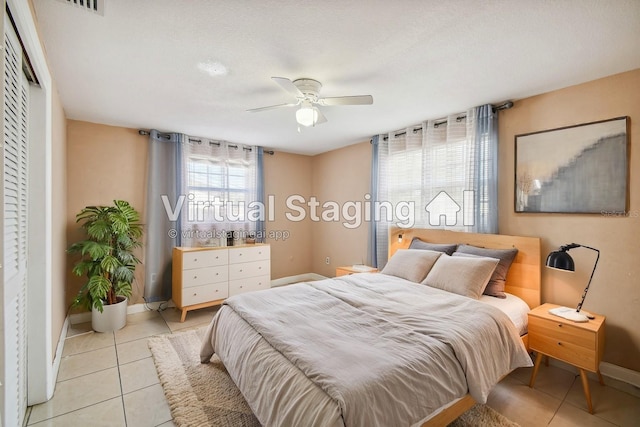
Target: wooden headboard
[523, 279]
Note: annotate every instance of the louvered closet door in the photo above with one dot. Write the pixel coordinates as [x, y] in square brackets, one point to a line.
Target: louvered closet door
[14, 222]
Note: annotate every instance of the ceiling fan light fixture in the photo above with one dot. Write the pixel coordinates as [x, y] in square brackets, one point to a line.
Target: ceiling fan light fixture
[307, 115]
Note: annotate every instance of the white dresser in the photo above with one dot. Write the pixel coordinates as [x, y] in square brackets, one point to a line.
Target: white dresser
[203, 277]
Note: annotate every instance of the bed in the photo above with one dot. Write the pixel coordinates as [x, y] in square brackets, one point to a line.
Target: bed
[374, 349]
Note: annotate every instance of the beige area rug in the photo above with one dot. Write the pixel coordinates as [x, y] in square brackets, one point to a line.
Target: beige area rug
[204, 394]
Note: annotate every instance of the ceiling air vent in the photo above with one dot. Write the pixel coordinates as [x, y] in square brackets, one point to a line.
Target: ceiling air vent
[95, 6]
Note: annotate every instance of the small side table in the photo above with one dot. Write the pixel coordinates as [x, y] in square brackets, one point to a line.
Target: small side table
[343, 271]
[578, 344]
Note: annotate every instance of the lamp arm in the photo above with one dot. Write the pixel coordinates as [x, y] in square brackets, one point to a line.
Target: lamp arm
[584, 294]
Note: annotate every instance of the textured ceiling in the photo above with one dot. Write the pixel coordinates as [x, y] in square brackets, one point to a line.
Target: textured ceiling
[196, 66]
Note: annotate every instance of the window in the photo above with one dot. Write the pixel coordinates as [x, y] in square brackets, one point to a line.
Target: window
[220, 185]
[430, 170]
[444, 172]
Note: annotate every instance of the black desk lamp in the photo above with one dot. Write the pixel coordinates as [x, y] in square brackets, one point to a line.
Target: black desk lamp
[561, 260]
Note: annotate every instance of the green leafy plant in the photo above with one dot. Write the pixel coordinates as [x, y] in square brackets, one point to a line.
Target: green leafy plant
[107, 258]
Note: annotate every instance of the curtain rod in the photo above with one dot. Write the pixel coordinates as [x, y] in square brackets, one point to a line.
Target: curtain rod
[199, 141]
[504, 106]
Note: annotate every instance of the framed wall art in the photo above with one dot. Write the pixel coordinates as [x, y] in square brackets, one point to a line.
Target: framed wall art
[573, 169]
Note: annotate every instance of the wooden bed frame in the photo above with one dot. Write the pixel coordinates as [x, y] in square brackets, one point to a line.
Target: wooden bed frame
[523, 281]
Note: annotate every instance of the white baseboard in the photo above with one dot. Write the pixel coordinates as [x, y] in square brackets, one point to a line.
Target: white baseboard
[619, 373]
[609, 370]
[307, 277]
[74, 319]
[57, 358]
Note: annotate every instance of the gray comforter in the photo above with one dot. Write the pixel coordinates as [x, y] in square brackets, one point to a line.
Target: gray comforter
[360, 350]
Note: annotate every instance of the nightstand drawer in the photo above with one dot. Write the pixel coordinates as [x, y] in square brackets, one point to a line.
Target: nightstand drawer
[561, 331]
[563, 349]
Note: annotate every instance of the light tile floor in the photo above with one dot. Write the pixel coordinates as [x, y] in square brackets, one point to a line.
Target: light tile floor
[110, 380]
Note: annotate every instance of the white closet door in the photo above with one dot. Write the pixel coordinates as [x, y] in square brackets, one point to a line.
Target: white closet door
[14, 224]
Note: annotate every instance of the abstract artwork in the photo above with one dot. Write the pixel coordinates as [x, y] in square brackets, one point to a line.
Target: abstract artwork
[573, 169]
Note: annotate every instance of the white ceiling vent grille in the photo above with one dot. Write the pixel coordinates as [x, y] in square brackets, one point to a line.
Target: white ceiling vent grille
[95, 6]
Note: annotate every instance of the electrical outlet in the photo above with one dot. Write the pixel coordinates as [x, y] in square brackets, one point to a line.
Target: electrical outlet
[327, 260]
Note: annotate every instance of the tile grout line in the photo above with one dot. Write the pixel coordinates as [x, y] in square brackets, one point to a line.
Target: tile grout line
[124, 410]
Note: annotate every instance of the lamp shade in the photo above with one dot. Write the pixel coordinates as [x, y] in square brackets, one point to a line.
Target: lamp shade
[307, 115]
[560, 260]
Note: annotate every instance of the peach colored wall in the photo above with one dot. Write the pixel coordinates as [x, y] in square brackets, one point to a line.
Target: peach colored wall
[104, 163]
[93, 180]
[341, 176]
[615, 290]
[59, 218]
[284, 175]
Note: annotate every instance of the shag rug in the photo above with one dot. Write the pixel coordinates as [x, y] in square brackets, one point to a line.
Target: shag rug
[204, 394]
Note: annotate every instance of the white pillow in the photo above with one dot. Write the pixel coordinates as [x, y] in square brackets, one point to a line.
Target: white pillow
[411, 264]
[461, 275]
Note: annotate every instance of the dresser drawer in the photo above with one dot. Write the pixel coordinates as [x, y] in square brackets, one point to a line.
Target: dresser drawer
[247, 285]
[248, 254]
[206, 293]
[204, 276]
[199, 259]
[249, 269]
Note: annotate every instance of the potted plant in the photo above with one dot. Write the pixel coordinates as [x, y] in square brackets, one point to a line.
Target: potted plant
[108, 262]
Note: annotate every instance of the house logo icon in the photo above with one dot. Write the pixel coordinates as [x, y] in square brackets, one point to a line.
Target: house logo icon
[443, 208]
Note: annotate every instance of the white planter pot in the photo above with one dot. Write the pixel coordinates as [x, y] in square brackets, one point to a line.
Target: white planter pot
[112, 318]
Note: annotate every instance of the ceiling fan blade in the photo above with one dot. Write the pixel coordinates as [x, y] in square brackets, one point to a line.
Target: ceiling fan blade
[271, 107]
[288, 85]
[321, 118]
[347, 100]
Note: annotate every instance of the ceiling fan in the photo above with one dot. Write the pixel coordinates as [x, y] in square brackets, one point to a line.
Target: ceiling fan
[306, 91]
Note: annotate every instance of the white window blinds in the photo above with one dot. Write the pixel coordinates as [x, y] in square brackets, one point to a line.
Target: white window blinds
[220, 181]
[445, 171]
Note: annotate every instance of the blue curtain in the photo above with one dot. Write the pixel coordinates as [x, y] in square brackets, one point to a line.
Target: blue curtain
[486, 170]
[372, 249]
[260, 225]
[162, 231]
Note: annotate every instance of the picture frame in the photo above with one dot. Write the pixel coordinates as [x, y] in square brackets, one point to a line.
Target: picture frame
[574, 169]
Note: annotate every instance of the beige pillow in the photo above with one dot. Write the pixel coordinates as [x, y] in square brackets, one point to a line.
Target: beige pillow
[411, 264]
[461, 275]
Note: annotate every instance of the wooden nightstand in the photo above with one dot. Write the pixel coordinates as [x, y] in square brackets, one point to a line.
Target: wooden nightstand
[343, 271]
[579, 344]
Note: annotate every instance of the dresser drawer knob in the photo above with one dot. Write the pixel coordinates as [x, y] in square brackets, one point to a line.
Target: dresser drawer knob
[560, 325]
[559, 343]
[195, 260]
[240, 270]
[195, 277]
[195, 294]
